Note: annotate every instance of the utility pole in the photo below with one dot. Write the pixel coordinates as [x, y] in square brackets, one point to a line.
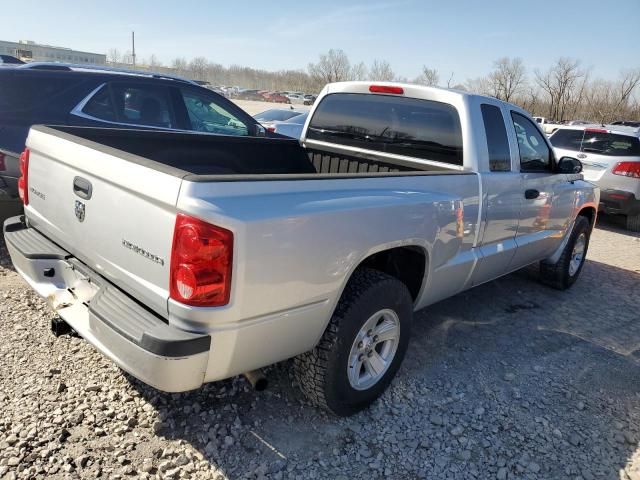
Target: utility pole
[133, 48]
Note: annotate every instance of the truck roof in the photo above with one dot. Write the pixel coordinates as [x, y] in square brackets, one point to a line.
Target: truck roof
[409, 89]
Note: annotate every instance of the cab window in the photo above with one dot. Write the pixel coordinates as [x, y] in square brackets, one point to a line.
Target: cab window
[535, 155]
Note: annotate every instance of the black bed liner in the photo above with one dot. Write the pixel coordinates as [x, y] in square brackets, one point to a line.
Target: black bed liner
[202, 157]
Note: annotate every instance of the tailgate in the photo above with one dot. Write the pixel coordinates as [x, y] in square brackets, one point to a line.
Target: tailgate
[111, 210]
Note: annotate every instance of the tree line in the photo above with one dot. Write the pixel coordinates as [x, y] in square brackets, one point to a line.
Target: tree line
[566, 90]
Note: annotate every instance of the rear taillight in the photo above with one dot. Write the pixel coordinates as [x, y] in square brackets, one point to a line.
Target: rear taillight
[627, 169]
[3, 165]
[23, 187]
[595, 130]
[201, 261]
[386, 89]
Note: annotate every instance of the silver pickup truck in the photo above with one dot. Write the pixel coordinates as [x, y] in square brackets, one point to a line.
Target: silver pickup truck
[188, 258]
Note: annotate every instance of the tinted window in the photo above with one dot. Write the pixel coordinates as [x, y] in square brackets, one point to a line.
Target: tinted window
[535, 155]
[146, 105]
[390, 124]
[497, 141]
[568, 139]
[24, 90]
[100, 106]
[610, 144]
[207, 116]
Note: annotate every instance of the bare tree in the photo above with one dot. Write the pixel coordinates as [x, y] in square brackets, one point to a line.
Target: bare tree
[358, 72]
[113, 56]
[428, 77]
[565, 84]
[381, 71]
[333, 66]
[480, 85]
[198, 68]
[507, 78]
[154, 62]
[180, 66]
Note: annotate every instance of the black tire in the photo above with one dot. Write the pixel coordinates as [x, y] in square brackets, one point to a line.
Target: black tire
[633, 222]
[558, 275]
[322, 372]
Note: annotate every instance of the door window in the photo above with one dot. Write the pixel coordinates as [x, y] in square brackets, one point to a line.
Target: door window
[497, 141]
[535, 155]
[144, 105]
[205, 115]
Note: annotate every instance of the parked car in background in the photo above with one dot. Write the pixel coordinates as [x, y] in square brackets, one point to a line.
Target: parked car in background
[250, 95]
[547, 126]
[611, 158]
[277, 97]
[397, 197]
[292, 127]
[296, 98]
[627, 123]
[65, 94]
[270, 117]
[309, 99]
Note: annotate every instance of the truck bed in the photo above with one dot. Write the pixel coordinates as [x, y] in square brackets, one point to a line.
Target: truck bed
[195, 155]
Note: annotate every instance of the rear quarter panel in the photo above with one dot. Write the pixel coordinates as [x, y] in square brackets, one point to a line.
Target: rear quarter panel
[297, 242]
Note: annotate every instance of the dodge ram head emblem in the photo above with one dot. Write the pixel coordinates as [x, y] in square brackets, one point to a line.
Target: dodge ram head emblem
[79, 211]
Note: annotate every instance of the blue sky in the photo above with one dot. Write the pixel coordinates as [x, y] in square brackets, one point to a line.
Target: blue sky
[460, 36]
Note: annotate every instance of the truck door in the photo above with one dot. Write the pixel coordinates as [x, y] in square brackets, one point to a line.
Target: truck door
[501, 197]
[546, 208]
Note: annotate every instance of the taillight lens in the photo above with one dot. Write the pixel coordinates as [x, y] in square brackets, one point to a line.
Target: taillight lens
[201, 261]
[23, 190]
[3, 165]
[627, 169]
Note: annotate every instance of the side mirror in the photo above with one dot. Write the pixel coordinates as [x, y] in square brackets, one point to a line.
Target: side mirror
[569, 165]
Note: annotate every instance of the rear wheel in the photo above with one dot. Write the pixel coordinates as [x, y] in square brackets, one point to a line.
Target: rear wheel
[362, 347]
[565, 271]
[633, 222]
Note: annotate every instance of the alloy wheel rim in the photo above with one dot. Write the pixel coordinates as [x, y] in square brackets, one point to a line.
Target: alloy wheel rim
[373, 349]
[577, 255]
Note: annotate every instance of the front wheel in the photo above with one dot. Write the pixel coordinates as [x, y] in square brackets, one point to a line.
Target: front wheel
[564, 273]
[362, 347]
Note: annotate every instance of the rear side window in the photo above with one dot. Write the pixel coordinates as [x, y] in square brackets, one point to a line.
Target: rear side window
[145, 105]
[25, 91]
[497, 141]
[391, 124]
[567, 139]
[610, 144]
[100, 106]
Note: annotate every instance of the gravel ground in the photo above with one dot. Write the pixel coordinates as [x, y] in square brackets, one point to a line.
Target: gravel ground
[509, 380]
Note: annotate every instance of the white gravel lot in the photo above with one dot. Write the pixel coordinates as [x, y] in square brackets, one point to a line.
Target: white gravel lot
[509, 380]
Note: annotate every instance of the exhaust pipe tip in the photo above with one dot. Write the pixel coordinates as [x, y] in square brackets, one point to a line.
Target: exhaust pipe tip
[257, 380]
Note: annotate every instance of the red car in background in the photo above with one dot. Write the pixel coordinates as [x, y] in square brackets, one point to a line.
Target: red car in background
[276, 97]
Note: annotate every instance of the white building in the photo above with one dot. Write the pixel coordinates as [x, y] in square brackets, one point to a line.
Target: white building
[29, 51]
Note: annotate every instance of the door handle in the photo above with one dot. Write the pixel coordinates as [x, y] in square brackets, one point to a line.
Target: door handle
[82, 187]
[531, 194]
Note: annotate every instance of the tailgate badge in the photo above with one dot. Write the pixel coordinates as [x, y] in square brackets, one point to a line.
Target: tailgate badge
[79, 211]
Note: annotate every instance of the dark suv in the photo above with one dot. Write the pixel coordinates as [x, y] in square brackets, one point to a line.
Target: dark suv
[60, 94]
